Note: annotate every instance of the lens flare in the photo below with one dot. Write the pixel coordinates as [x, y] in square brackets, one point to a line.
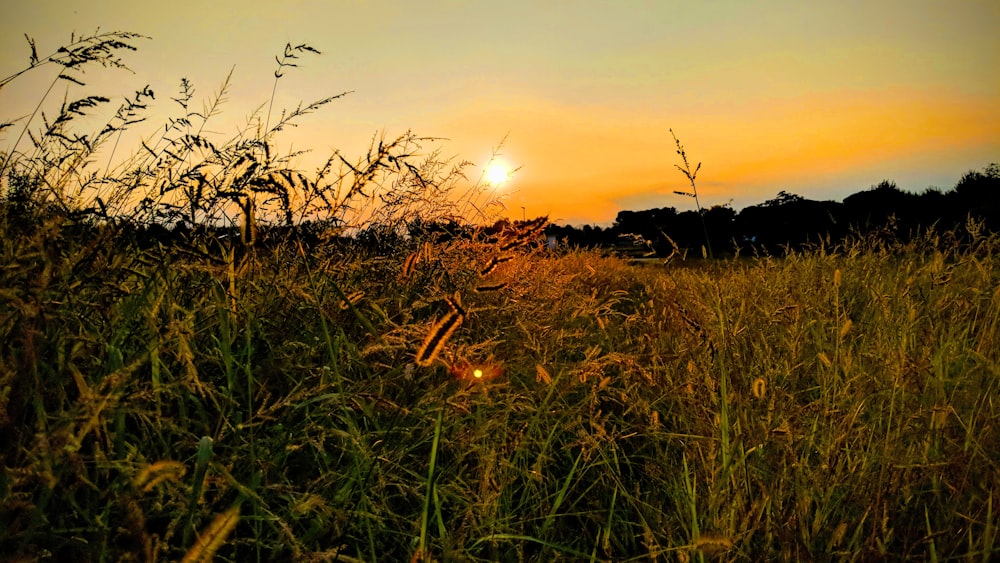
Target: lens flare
[476, 371]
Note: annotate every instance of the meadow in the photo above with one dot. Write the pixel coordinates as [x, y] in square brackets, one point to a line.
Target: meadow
[309, 396]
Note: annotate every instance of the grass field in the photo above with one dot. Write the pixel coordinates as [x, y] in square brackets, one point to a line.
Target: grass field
[271, 397]
[828, 405]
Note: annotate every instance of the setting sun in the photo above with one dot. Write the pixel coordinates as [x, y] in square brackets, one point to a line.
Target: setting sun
[497, 173]
[818, 101]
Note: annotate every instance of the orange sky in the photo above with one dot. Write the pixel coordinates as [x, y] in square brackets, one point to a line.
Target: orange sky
[770, 96]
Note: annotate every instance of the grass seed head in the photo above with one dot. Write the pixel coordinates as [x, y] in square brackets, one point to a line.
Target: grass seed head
[438, 336]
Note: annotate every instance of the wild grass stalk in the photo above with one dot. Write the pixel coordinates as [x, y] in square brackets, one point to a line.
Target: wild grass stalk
[100, 48]
[197, 484]
[691, 175]
[429, 494]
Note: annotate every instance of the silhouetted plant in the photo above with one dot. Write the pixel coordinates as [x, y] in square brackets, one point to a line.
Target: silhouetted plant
[184, 175]
[101, 48]
[691, 175]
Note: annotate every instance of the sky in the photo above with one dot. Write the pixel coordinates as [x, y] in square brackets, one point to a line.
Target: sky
[820, 99]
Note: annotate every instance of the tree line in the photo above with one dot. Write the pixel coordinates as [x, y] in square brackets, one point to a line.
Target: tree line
[790, 222]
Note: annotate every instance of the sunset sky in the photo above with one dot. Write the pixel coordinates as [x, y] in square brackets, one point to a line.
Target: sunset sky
[819, 99]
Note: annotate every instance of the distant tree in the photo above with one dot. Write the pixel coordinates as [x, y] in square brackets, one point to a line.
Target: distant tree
[976, 186]
[783, 198]
[646, 223]
[720, 221]
[663, 227]
[934, 208]
[880, 205]
[978, 194]
[788, 221]
[586, 236]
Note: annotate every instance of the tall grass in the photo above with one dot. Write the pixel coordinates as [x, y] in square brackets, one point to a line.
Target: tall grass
[830, 404]
[198, 400]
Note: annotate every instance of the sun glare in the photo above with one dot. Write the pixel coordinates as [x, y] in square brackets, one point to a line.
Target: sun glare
[497, 173]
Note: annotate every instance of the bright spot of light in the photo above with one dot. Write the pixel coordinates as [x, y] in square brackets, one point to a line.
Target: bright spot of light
[477, 373]
[497, 173]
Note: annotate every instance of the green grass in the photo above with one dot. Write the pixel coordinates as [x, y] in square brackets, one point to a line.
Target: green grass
[256, 397]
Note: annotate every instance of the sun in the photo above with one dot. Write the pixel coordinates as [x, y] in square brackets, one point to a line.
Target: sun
[497, 173]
